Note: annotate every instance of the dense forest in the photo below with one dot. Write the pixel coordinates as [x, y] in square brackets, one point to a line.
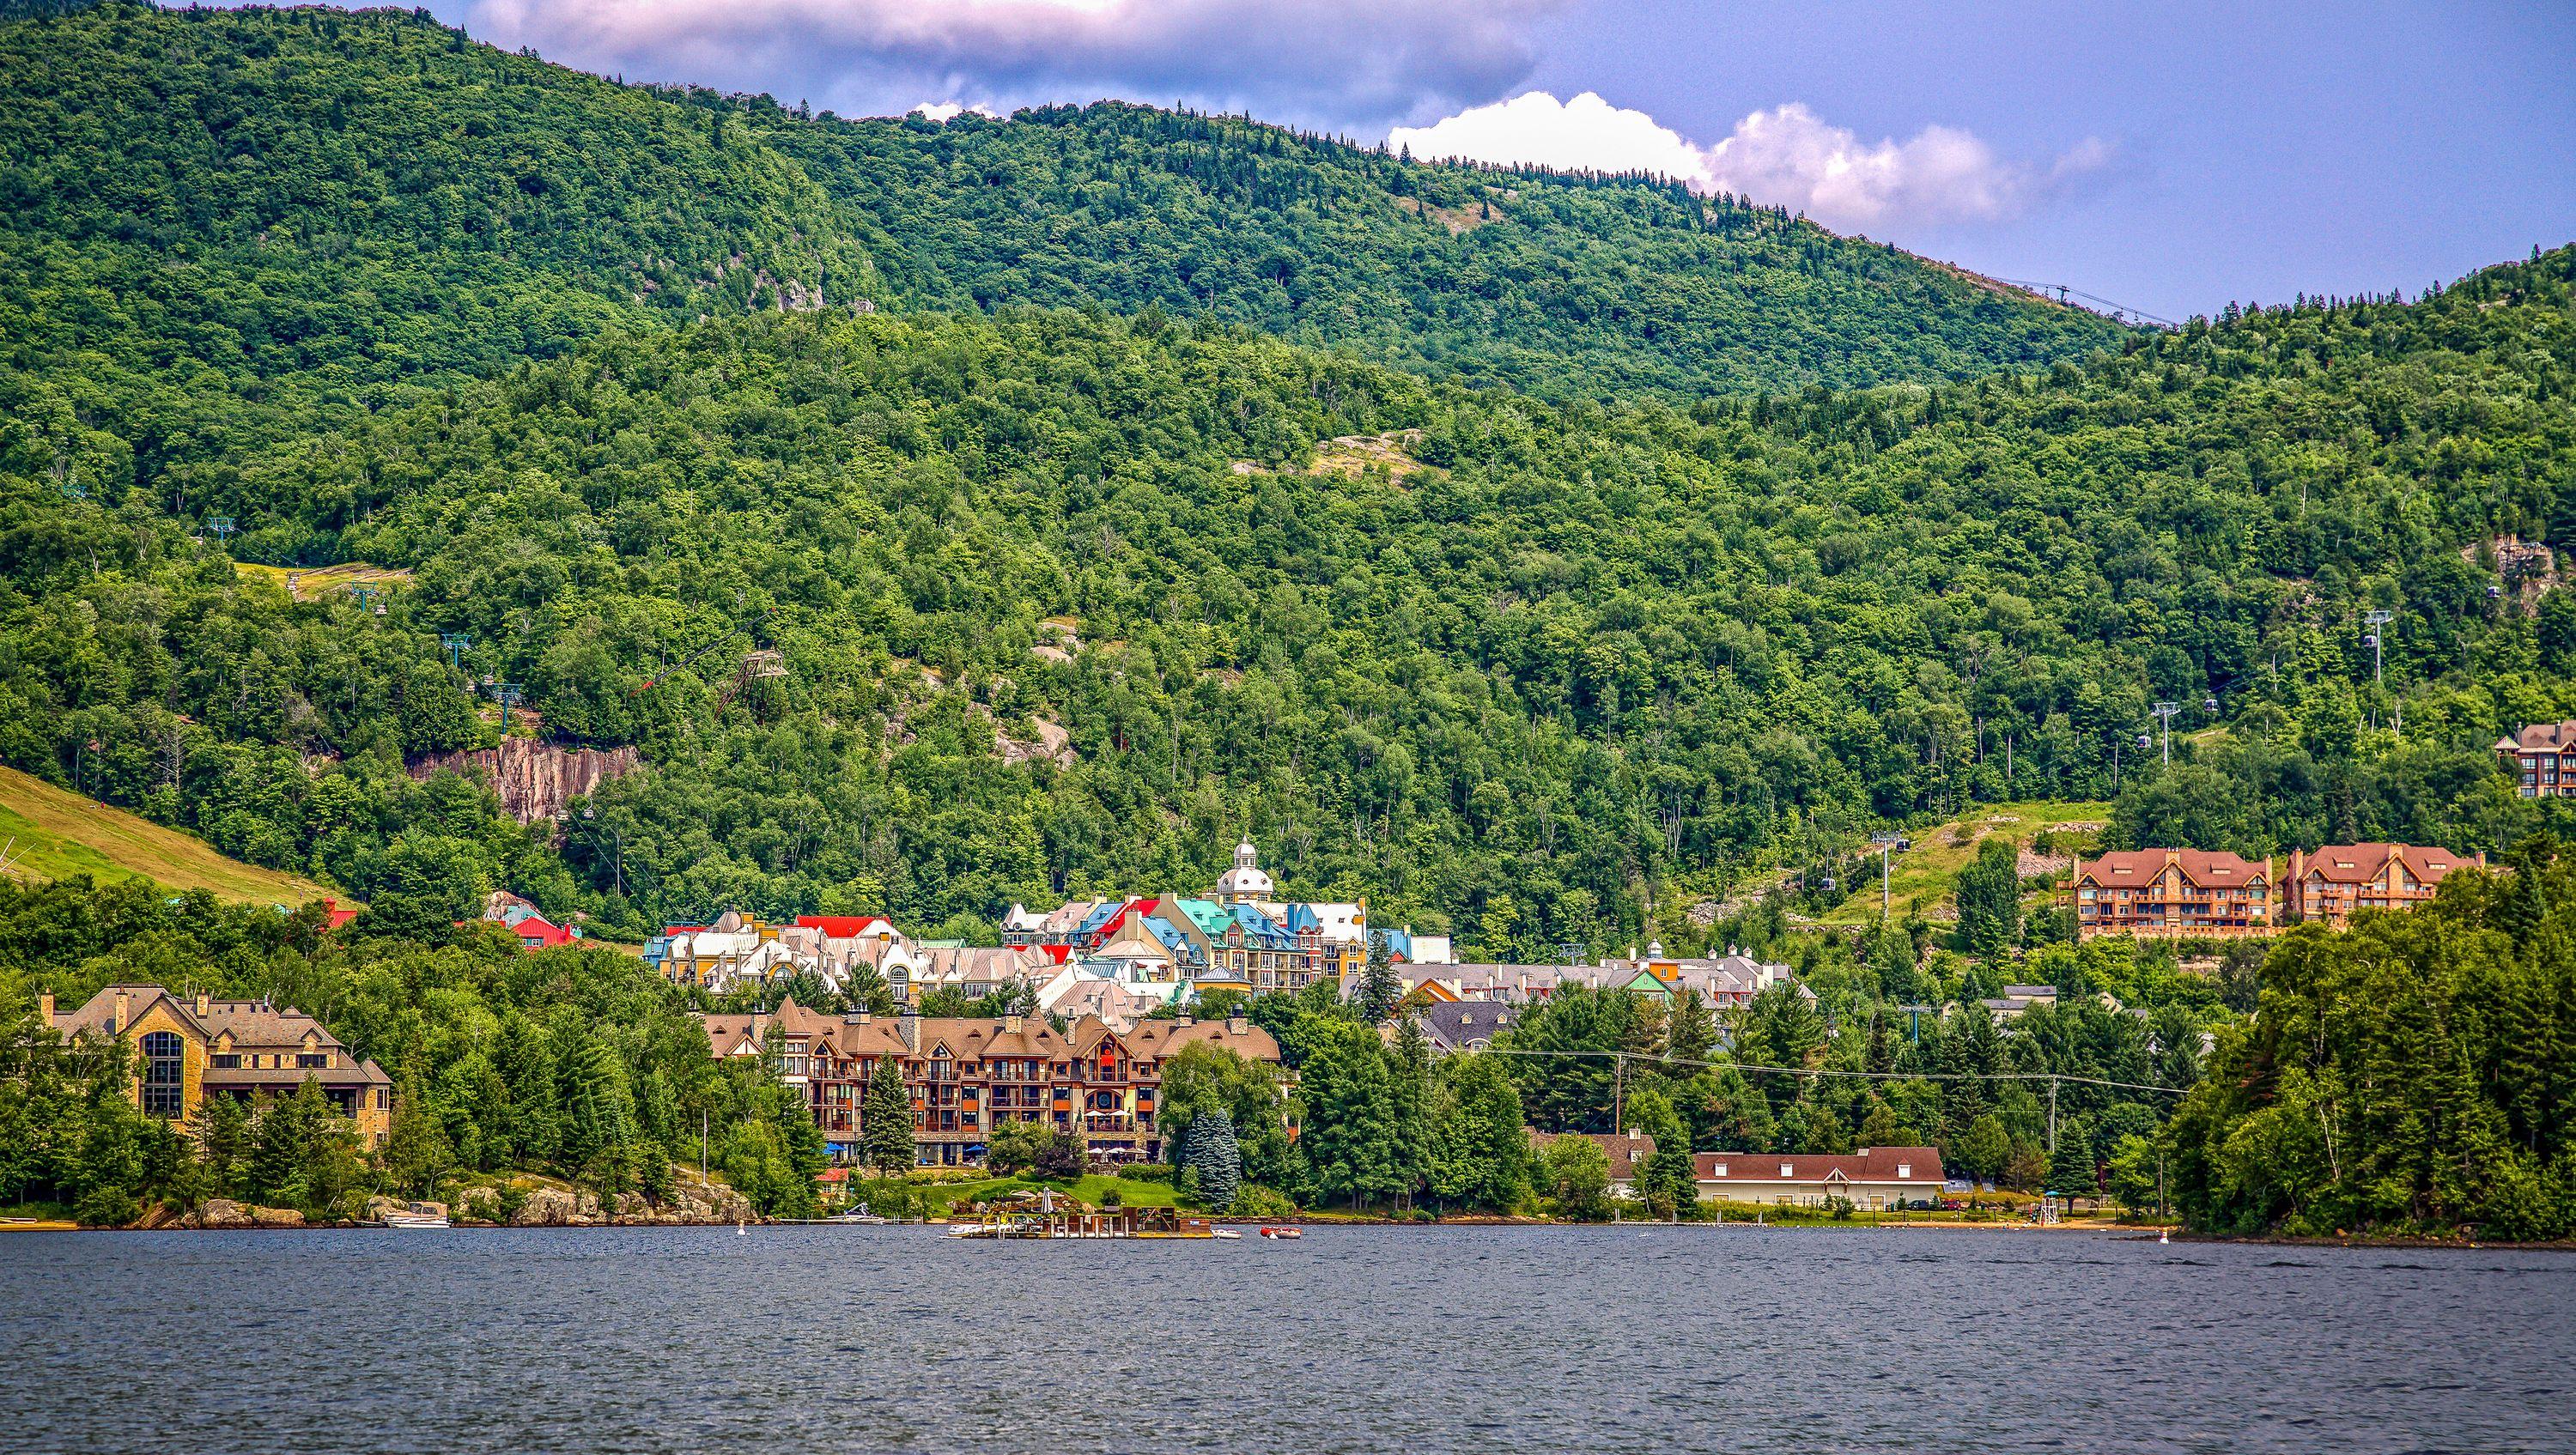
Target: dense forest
[1550, 559]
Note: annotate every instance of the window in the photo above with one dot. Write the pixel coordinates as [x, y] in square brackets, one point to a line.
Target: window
[1904, 1169]
[311, 1061]
[164, 1085]
[1788, 1171]
[225, 1060]
[1721, 1170]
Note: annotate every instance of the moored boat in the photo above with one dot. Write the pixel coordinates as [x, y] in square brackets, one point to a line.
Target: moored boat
[1284, 1231]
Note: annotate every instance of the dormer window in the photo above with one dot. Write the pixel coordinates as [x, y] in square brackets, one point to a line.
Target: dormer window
[1786, 1170]
[1904, 1169]
[1721, 1170]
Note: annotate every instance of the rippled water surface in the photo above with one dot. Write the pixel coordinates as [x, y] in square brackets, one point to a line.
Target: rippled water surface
[805, 1339]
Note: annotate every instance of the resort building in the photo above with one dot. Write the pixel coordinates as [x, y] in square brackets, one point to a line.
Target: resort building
[2328, 884]
[965, 1077]
[2183, 893]
[188, 1049]
[2542, 758]
[1875, 1179]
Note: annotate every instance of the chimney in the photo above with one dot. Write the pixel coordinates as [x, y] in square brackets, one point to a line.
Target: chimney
[910, 1024]
[1237, 1024]
[1185, 1020]
[124, 1012]
[1010, 1025]
[45, 1008]
[205, 1003]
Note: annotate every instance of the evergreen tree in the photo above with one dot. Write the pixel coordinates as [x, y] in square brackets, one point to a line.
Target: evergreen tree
[1214, 1158]
[1350, 1139]
[1380, 987]
[885, 1119]
[1988, 892]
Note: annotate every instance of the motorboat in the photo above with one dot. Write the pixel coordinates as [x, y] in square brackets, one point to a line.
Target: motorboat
[419, 1216]
[1283, 1232]
[1224, 1233]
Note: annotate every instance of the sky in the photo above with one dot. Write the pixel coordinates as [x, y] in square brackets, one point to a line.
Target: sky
[2170, 157]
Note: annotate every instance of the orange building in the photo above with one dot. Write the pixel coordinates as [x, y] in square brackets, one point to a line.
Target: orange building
[966, 1077]
[2182, 893]
[2329, 883]
[2542, 758]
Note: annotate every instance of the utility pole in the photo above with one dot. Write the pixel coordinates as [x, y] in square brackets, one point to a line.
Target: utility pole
[2052, 1116]
[1887, 844]
[1618, 1092]
[2166, 711]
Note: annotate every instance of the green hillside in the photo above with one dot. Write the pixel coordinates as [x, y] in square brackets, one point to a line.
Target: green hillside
[1591, 287]
[48, 833]
[1920, 879]
[1510, 663]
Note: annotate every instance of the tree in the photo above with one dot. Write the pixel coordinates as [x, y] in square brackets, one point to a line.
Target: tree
[416, 1151]
[1479, 1142]
[1988, 893]
[1578, 1172]
[1212, 1155]
[1668, 1179]
[1984, 1150]
[1380, 988]
[885, 1119]
[1062, 1156]
[1014, 1146]
[1350, 1131]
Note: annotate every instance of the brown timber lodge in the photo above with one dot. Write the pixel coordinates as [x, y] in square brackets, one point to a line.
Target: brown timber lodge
[966, 1077]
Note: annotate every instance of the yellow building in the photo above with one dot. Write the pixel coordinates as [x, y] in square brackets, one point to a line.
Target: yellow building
[186, 1050]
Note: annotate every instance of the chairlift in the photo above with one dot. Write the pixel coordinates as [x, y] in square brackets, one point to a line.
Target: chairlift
[2146, 741]
[1827, 883]
[2370, 640]
[2494, 591]
[2209, 704]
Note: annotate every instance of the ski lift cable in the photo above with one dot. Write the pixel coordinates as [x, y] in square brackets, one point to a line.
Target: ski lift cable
[2065, 292]
[2071, 1080]
[728, 634]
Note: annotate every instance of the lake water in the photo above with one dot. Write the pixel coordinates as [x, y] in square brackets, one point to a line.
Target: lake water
[1665, 1340]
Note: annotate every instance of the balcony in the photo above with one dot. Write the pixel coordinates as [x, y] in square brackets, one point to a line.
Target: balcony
[1116, 1121]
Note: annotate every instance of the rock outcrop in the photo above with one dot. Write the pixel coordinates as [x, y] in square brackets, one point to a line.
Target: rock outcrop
[223, 1212]
[534, 780]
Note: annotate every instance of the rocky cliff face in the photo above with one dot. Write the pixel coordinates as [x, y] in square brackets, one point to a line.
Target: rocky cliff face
[535, 780]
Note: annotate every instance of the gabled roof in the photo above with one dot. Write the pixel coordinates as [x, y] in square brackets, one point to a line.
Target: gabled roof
[2540, 737]
[2205, 868]
[1869, 1164]
[2367, 863]
[249, 1025]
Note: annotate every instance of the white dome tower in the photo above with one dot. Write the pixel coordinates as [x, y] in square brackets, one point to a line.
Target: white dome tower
[1244, 883]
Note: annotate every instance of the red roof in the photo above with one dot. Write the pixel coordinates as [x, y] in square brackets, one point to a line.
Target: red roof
[537, 933]
[838, 926]
[2364, 863]
[1870, 1164]
[2208, 868]
[333, 916]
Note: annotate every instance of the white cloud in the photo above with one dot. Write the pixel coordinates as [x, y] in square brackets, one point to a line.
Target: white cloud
[1786, 157]
[1355, 65]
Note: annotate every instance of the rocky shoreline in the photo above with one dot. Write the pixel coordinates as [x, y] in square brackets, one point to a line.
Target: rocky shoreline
[541, 1207]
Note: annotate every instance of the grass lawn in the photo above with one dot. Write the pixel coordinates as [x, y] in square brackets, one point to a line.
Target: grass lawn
[52, 833]
[313, 583]
[1920, 878]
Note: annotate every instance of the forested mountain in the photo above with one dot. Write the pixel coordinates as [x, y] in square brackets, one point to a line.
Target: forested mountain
[1557, 668]
[1564, 286]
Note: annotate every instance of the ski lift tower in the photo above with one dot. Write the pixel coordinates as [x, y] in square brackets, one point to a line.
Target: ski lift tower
[2166, 711]
[508, 693]
[223, 527]
[2376, 619]
[456, 643]
[1914, 1020]
[1886, 844]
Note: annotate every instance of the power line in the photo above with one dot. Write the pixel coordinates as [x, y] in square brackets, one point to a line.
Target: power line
[1625, 1056]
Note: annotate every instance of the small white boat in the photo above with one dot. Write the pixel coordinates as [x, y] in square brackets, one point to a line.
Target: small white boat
[417, 1216]
[1283, 1232]
[1224, 1233]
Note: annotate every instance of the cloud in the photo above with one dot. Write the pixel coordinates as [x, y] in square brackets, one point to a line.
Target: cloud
[1786, 157]
[1353, 65]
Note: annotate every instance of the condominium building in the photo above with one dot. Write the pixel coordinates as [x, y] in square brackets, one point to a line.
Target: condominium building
[2175, 892]
[966, 1077]
[2543, 757]
[2329, 883]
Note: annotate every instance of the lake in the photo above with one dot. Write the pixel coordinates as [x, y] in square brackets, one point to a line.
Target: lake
[1355, 1339]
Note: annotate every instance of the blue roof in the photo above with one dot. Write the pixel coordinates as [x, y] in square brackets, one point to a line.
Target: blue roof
[1100, 915]
[1302, 917]
[1259, 926]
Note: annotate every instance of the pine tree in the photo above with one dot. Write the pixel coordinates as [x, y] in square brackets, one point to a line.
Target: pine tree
[1380, 987]
[1214, 1157]
[885, 1119]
